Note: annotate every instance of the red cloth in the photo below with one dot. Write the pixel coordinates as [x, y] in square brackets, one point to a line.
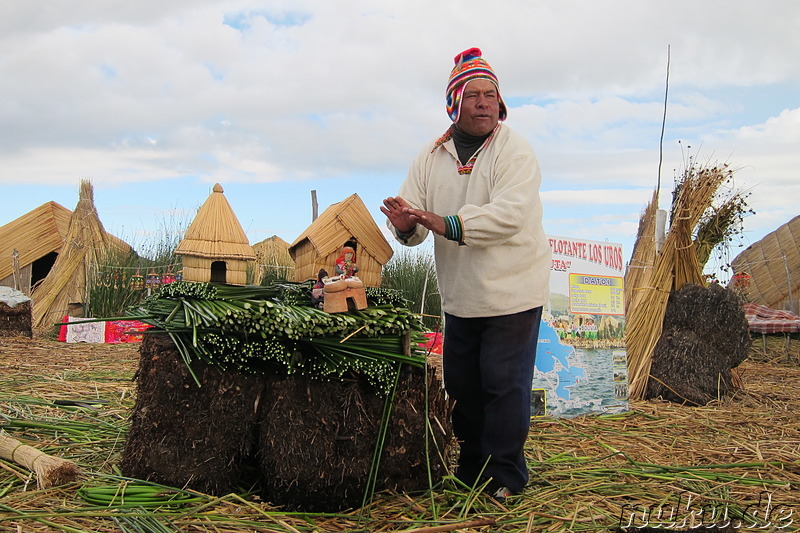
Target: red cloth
[62, 329]
[119, 331]
[434, 342]
[763, 319]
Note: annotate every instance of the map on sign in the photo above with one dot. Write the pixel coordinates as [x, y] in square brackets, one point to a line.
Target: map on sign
[555, 370]
[581, 364]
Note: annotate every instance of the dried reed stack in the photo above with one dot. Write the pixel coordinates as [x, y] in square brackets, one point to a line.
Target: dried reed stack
[674, 267]
[50, 471]
[641, 266]
[85, 245]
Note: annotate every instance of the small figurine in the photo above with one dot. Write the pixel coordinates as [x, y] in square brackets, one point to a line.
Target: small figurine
[168, 277]
[318, 291]
[137, 281]
[346, 266]
[152, 281]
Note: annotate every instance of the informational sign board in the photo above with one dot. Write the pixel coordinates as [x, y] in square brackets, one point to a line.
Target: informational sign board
[581, 364]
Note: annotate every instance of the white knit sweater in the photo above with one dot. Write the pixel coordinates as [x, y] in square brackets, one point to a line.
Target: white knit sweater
[503, 265]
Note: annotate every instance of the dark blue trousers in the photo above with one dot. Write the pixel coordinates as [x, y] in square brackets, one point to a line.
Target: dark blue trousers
[488, 370]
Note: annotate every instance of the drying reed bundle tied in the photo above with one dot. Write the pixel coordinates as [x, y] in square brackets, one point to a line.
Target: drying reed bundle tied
[85, 246]
[675, 266]
[644, 250]
[50, 471]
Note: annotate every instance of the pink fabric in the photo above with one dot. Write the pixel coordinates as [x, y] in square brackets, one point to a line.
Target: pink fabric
[763, 319]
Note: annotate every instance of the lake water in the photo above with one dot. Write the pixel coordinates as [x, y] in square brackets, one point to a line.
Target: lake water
[578, 381]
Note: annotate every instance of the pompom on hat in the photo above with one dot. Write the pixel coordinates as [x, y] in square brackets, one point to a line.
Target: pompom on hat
[469, 66]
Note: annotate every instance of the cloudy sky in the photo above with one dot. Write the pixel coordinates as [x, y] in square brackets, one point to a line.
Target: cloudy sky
[155, 101]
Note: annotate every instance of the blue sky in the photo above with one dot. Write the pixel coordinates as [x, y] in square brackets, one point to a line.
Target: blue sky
[155, 102]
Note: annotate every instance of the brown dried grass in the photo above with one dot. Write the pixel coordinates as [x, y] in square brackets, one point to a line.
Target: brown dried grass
[587, 472]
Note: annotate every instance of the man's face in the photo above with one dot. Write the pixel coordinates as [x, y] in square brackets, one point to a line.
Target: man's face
[480, 108]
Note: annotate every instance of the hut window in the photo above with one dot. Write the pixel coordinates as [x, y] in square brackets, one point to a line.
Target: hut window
[218, 272]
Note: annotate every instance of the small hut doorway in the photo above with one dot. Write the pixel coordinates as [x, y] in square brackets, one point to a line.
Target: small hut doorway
[219, 272]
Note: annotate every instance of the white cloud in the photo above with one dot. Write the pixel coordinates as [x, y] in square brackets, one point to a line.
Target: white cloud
[596, 196]
[783, 129]
[240, 91]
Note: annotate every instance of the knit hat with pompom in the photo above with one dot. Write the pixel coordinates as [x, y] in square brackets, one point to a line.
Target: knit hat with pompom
[469, 66]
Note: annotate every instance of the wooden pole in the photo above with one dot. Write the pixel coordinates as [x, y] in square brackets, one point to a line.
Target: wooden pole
[17, 274]
[314, 206]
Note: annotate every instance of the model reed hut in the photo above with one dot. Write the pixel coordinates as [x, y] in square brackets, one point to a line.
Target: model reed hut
[320, 245]
[215, 247]
[771, 268]
[272, 255]
[85, 246]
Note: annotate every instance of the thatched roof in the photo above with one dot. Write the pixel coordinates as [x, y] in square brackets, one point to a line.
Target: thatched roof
[339, 222]
[773, 264]
[34, 235]
[85, 245]
[215, 232]
[273, 251]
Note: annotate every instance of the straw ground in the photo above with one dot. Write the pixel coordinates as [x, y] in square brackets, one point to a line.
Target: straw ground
[658, 465]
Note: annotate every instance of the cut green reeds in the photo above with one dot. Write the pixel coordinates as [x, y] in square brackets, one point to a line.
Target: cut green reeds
[138, 495]
[254, 328]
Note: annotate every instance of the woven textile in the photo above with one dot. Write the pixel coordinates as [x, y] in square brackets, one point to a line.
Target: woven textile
[763, 319]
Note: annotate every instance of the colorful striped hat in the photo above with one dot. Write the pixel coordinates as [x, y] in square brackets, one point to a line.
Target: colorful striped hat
[469, 66]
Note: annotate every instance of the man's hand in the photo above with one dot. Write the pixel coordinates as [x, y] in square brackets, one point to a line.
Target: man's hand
[404, 217]
[395, 210]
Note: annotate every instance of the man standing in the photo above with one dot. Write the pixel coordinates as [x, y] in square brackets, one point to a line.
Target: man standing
[477, 189]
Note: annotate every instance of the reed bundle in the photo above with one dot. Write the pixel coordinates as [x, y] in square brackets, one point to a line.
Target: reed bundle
[675, 266]
[641, 266]
[85, 246]
[249, 329]
[50, 471]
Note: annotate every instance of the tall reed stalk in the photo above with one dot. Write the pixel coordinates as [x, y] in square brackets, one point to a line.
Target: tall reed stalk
[413, 273]
[113, 282]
